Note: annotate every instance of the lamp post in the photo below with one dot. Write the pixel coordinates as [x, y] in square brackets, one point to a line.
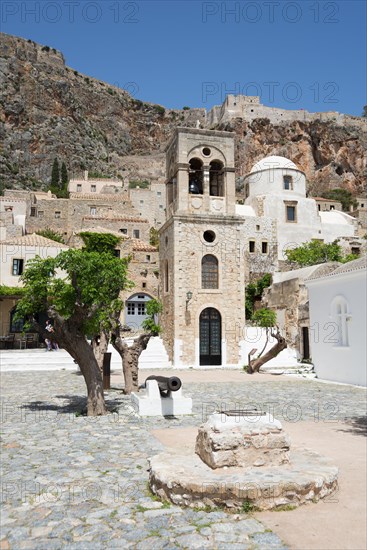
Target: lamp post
[188, 297]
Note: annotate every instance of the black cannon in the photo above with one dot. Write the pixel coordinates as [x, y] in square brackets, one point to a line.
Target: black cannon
[165, 384]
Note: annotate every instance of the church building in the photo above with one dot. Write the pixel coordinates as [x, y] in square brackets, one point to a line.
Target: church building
[201, 261]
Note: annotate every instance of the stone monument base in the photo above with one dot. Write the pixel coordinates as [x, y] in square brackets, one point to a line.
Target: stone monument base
[186, 480]
[151, 403]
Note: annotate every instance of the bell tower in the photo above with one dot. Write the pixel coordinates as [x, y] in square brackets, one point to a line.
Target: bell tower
[201, 258]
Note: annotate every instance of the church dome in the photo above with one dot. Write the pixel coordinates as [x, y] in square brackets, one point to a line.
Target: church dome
[273, 162]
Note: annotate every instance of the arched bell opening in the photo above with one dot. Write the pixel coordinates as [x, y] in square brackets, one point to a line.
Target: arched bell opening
[196, 177]
[216, 178]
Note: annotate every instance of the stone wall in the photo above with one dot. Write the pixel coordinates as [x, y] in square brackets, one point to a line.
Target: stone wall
[249, 108]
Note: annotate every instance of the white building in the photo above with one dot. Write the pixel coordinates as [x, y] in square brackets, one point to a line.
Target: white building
[338, 323]
[15, 253]
[275, 189]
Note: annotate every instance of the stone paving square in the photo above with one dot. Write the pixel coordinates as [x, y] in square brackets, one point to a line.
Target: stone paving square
[75, 482]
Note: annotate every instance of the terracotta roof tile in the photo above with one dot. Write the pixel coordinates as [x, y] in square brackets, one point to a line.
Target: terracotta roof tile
[34, 240]
[110, 197]
[141, 246]
[118, 219]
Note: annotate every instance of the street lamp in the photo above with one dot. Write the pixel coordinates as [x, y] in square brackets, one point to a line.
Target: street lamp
[188, 297]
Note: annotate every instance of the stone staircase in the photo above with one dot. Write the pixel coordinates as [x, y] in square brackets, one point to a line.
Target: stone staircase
[155, 356]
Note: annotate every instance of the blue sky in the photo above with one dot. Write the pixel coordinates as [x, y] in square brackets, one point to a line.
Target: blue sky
[304, 54]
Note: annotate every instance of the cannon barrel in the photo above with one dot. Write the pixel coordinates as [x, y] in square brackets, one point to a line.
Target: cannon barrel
[165, 384]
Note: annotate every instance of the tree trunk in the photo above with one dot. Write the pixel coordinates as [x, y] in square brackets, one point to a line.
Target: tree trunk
[100, 346]
[130, 360]
[255, 364]
[67, 335]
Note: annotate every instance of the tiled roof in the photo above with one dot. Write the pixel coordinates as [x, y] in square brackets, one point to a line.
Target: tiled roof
[119, 219]
[141, 246]
[355, 265]
[10, 199]
[110, 197]
[322, 199]
[34, 240]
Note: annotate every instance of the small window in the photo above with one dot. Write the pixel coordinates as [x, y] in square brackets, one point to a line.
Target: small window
[116, 252]
[209, 236]
[362, 204]
[264, 247]
[17, 267]
[319, 207]
[40, 213]
[332, 207]
[141, 309]
[144, 285]
[291, 213]
[93, 211]
[287, 183]
[141, 202]
[79, 188]
[33, 213]
[159, 194]
[209, 272]
[257, 228]
[251, 246]
[57, 214]
[161, 206]
[130, 308]
[147, 257]
[123, 230]
[8, 209]
[93, 188]
[355, 250]
[136, 233]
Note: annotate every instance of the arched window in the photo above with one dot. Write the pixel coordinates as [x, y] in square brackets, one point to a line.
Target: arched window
[341, 316]
[216, 179]
[195, 177]
[209, 271]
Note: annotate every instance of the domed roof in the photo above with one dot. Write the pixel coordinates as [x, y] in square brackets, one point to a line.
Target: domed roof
[270, 163]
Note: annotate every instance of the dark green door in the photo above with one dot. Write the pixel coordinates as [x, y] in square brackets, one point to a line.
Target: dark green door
[210, 337]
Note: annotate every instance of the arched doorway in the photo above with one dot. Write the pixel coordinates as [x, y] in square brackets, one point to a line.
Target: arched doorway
[135, 310]
[210, 337]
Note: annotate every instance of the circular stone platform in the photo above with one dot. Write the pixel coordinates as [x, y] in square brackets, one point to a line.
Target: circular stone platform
[186, 480]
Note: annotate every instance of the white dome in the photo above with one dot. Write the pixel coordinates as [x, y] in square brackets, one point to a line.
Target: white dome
[273, 162]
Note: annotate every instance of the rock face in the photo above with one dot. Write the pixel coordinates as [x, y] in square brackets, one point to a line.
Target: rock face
[49, 110]
[245, 441]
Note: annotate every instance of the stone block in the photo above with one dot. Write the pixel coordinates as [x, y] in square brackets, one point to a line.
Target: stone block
[252, 441]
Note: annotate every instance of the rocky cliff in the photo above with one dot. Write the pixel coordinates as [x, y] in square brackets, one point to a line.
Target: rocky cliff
[49, 110]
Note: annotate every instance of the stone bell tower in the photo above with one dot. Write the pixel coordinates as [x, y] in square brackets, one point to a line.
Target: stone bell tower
[201, 258]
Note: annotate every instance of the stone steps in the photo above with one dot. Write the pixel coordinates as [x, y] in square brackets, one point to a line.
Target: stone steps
[155, 356]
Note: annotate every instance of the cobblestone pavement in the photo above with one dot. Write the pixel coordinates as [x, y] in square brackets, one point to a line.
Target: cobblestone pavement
[69, 481]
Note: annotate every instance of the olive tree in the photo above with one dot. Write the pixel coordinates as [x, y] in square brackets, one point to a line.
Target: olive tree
[266, 318]
[80, 292]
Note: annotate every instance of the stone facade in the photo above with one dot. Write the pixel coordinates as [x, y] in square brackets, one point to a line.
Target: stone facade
[201, 225]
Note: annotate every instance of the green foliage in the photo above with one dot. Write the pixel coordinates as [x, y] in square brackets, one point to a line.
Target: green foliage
[55, 174]
[50, 234]
[186, 108]
[364, 114]
[254, 292]
[159, 109]
[11, 290]
[265, 317]
[154, 237]
[100, 242]
[64, 176]
[317, 252]
[341, 195]
[247, 507]
[153, 308]
[45, 48]
[142, 184]
[90, 286]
